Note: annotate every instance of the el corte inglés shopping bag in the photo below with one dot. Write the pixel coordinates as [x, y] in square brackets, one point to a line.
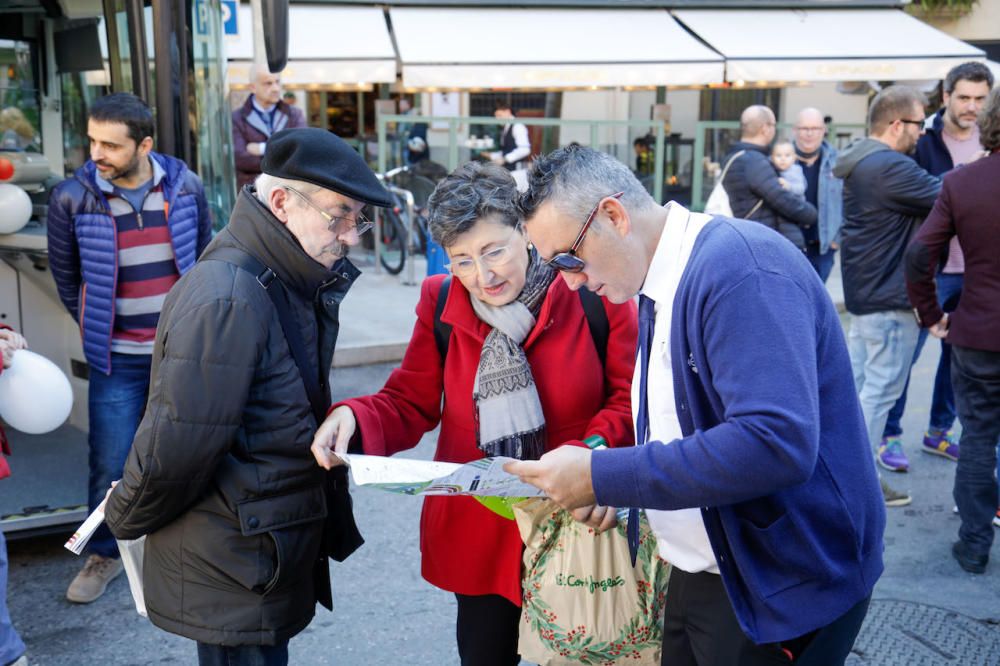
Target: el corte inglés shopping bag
[583, 602]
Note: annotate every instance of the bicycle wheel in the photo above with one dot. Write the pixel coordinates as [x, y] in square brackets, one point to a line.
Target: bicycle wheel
[393, 254]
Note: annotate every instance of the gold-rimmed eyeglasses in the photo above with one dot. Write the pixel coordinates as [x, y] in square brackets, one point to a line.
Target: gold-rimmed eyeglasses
[340, 224]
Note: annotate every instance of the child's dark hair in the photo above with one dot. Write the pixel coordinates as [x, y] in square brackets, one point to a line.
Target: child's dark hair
[782, 142]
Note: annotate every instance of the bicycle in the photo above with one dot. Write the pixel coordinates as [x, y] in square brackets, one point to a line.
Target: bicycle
[409, 193]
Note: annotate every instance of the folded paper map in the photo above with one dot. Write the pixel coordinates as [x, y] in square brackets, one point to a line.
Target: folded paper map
[482, 478]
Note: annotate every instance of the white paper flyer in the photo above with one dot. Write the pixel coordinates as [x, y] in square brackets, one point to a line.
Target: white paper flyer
[483, 478]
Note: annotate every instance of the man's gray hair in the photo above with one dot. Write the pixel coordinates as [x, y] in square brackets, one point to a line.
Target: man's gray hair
[266, 183]
[892, 104]
[575, 178]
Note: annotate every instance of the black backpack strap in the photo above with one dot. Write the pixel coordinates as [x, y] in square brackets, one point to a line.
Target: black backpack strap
[442, 331]
[597, 321]
[293, 336]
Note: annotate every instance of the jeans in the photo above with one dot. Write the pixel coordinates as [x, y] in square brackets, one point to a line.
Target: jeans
[881, 347]
[975, 375]
[949, 289]
[823, 263]
[11, 645]
[117, 402]
[243, 655]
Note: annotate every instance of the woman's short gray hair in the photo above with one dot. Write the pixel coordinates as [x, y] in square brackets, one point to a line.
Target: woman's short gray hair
[575, 178]
[472, 192]
[266, 183]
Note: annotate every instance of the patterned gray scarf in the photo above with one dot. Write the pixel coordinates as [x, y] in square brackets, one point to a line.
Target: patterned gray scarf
[509, 414]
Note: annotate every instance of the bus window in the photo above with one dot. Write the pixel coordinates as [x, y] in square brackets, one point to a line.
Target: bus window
[20, 120]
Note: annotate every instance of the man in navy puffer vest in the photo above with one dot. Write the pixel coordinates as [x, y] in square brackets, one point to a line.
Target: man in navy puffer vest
[121, 232]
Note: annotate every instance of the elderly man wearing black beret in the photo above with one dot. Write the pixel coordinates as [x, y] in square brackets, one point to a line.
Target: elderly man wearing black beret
[239, 520]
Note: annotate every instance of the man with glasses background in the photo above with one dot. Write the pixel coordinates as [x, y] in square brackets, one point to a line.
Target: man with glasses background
[823, 190]
[887, 195]
[219, 477]
[753, 468]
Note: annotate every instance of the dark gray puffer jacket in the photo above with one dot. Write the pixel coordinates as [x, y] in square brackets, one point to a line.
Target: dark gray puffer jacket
[220, 476]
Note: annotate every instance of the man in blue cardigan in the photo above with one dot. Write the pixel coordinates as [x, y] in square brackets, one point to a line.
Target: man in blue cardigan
[756, 474]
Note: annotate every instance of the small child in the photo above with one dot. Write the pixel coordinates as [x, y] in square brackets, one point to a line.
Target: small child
[786, 163]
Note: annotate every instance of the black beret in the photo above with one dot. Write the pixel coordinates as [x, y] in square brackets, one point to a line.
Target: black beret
[322, 158]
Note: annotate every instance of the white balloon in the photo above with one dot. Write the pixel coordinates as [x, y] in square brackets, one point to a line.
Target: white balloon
[35, 395]
[15, 208]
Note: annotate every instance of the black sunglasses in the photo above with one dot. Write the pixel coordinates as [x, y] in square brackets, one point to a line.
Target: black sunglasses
[567, 261]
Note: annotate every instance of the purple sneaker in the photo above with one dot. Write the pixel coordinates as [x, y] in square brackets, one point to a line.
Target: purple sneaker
[891, 456]
[941, 444]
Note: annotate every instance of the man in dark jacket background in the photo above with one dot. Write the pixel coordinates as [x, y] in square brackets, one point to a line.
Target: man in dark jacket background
[755, 193]
[951, 138]
[121, 232]
[886, 197]
[220, 477]
[263, 114]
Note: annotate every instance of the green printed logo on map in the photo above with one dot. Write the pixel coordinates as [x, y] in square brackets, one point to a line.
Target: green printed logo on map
[605, 584]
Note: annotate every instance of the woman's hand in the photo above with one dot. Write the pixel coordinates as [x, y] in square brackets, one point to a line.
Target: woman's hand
[333, 437]
[601, 518]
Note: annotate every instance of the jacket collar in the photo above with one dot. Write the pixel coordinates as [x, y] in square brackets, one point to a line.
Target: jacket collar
[254, 120]
[107, 187]
[266, 238]
[167, 170]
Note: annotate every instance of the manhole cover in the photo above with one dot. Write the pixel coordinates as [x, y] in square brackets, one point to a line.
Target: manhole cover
[908, 634]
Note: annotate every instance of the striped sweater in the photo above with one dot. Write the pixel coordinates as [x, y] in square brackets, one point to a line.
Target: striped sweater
[146, 265]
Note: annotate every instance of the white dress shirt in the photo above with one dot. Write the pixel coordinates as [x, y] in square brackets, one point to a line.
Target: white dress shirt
[521, 141]
[680, 535]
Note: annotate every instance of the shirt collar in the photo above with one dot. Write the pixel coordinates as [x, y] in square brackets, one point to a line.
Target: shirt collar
[257, 107]
[665, 257]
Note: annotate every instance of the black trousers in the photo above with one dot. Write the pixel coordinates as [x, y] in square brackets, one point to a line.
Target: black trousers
[486, 629]
[701, 629]
[975, 376]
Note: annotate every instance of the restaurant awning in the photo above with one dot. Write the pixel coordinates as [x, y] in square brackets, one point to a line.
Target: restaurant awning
[548, 48]
[327, 46]
[792, 45]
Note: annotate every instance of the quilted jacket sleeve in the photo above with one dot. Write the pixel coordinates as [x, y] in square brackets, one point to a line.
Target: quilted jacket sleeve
[204, 363]
[64, 253]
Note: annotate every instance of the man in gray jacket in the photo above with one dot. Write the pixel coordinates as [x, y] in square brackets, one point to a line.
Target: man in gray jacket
[823, 190]
[886, 198]
[220, 477]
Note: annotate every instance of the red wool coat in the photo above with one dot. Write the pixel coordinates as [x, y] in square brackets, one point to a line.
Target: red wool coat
[465, 547]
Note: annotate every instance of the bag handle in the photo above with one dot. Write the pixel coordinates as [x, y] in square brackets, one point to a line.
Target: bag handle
[722, 177]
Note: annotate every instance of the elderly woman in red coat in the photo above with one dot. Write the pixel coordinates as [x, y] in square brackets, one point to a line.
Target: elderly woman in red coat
[522, 375]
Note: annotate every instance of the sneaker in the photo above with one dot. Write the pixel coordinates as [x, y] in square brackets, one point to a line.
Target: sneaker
[891, 456]
[20, 661]
[941, 444]
[967, 559]
[894, 497]
[996, 518]
[93, 579]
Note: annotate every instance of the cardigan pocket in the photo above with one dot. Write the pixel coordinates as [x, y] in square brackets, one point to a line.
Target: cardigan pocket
[775, 557]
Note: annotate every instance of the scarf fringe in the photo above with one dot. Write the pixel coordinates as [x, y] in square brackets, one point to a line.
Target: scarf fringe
[522, 446]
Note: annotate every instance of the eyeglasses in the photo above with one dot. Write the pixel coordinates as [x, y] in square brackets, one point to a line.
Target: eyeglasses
[567, 261]
[912, 122]
[494, 258]
[810, 130]
[360, 223]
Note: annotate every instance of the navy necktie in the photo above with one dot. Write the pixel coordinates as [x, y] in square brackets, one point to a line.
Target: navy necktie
[647, 320]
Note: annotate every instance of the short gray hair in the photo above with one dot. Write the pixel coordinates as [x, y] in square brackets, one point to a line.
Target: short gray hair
[266, 183]
[575, 177]
[472, 192]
